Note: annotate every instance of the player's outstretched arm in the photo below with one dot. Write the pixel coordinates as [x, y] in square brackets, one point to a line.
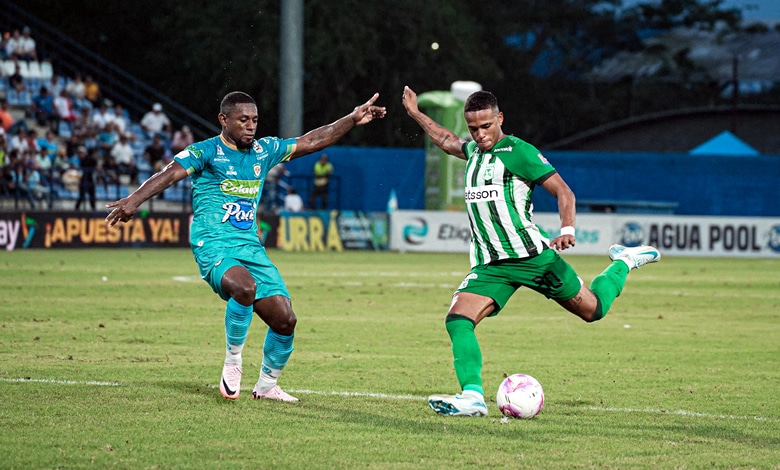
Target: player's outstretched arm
[442, 137]
[329, 134]
[124, 209]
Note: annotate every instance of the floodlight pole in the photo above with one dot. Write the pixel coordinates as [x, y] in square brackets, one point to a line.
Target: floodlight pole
[291, 69]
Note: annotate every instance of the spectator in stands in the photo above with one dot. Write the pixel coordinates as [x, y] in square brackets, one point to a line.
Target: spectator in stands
[28, 48]
[108, 173]
[18, 182]
[88, 165]
[92, 91]
[107, 138]
[136, 143]
[38, 182]
[71, 148]
[43, 109]
[10, 126]
[182, 139]
[273, 181]
[156, 122]
[156, 154]
[65, 112]
[19, 141]
[14, 48]
[125, 160]
[16, 81]
[323, 169]
[43, 163]
[60, 164]
[120, 119]
[78, 93]
[4, 45]
[4, 155]
[32, 141]
[55, 85]
[293, 201]
[48, 140]
[103, 116]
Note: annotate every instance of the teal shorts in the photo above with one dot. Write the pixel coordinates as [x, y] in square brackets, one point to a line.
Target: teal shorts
[549, 274]
[213, 264]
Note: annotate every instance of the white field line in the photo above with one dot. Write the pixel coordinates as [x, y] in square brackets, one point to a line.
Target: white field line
[386, 396]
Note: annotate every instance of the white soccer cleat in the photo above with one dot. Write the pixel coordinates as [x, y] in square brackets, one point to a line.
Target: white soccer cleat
[273, 393]
[230, 385]
[635, 257]
[466, 404]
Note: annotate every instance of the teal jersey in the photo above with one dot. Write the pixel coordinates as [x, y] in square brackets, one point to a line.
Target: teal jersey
[499, 184]
[226, 187]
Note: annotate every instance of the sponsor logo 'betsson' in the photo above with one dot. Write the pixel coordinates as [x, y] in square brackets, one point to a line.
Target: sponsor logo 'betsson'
[482, 193]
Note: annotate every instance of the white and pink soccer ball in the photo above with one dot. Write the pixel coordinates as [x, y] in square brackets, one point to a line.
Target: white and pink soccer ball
[520, 396]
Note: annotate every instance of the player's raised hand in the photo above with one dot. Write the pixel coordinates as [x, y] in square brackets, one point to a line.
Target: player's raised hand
[367, 112]
[409, 100]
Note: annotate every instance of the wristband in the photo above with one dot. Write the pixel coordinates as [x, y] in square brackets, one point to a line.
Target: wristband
[567, 230]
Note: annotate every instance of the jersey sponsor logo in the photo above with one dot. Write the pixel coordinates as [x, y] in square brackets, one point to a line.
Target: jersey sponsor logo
[221, 159]
[256, 146]
[240, 213]
[541, 157]
[240, 188]
[482, 193]
[185, 153]
[503, 149]
[231, 171]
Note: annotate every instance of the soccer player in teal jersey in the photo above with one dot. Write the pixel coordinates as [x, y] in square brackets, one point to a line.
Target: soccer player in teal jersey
[507, 249]
[227, 173]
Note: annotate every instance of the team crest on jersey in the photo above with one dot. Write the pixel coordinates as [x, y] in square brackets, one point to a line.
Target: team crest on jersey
[541, 157]
[257, 170]
[488, 172]
[219, 150]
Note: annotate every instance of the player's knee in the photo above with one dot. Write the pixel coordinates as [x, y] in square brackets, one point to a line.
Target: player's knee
[285, 324]
[244, 294]
[597, 314]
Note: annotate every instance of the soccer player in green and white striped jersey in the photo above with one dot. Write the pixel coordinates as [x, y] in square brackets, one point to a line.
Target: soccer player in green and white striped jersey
[507, 249]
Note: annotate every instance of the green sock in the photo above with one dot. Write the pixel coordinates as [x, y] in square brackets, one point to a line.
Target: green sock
[608, 285]
[466, 352]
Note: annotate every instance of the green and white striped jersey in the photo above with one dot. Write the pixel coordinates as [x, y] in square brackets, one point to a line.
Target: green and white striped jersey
[498, 188]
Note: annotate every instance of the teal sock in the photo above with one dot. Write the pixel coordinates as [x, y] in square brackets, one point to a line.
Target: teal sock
[466, 353]
[276, 352]
[608, 285]
[237, 320]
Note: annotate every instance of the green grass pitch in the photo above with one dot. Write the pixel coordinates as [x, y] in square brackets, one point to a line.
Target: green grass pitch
[111, 358]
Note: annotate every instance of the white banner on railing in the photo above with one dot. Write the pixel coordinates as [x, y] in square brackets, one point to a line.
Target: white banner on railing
[440, 231]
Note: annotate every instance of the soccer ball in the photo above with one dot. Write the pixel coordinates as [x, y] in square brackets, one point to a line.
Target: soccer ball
[520, 396]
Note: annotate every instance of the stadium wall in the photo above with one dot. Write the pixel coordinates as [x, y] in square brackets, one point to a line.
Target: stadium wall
[692, 184]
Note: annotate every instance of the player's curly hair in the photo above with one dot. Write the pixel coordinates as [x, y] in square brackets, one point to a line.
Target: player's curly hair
[480, 100]
[233, 99]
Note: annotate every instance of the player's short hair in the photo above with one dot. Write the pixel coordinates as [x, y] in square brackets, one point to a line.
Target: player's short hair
[233, 99]
[480, 100]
